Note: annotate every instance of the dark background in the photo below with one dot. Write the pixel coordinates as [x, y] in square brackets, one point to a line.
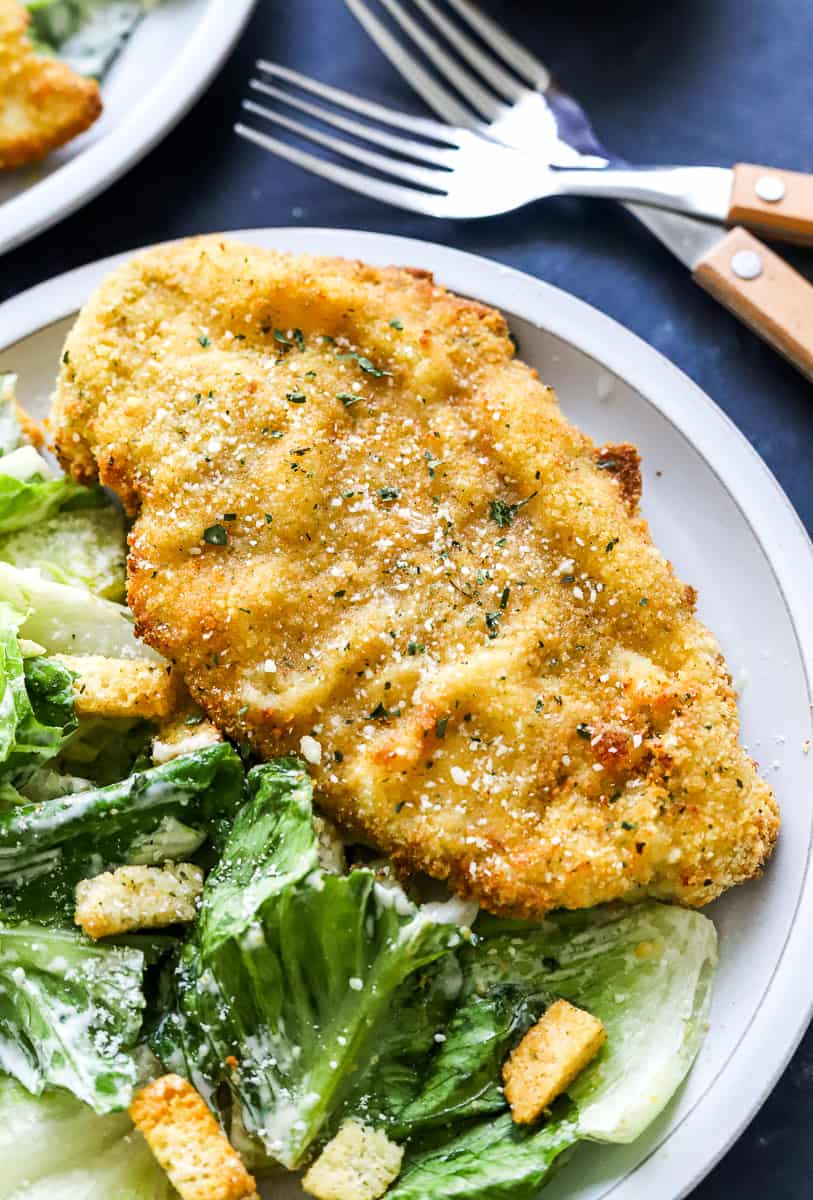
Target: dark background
[697, 81]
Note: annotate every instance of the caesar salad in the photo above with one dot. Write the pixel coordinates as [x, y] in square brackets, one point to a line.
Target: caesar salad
[201, 981]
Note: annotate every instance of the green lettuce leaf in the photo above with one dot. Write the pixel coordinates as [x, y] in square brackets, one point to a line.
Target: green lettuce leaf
[36, 706]
[70, 1013]
[491, 1160]
[104, 750]
[84, 545]
[289, 978]
[24, 502]
[645, 970]
[69, 620]
[46, 848]
[87, 34]
[53, 1147]
[464, 1077]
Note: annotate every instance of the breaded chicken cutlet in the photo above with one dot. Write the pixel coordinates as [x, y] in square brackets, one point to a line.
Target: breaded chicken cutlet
[366, 533]
[43, 103]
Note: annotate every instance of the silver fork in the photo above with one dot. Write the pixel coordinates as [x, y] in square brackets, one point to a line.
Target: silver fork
[452, 171]
[504, 92]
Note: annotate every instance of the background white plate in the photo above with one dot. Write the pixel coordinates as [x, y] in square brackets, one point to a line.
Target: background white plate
[173, 53]
[720, 515]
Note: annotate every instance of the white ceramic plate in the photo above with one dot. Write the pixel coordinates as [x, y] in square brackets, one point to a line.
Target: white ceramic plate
[720, 515]
[173, 53]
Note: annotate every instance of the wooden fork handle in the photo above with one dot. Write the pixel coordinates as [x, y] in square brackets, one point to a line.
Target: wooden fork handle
[776, 203]
[765, 292]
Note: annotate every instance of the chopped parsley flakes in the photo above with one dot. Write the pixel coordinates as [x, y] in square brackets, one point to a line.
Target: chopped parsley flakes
[368, 367]
[215, 535]
[503, 513]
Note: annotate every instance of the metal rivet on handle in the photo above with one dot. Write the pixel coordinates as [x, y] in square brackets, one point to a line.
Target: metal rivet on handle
[747, 264]
[770, 188]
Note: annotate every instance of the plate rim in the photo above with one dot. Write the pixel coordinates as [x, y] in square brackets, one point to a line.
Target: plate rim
[78, 181]
[738, 1090]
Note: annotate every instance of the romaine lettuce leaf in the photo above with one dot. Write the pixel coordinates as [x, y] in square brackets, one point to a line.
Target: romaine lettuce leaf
[491, 1160]
[36, 706]
[464, 1076]
[289, 978]
[83, 545]
[46, 848]
[87, 34]
[53, 1147]
[70, 1013]
[646, 971]
[104, 750]
[24, 502]
[69, 620]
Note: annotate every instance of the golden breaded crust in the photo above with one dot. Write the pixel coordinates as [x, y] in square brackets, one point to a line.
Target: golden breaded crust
[43, 103]
[138, 897]
[188, 1142]
[549, 1057]
[362, 522]
[122, 687]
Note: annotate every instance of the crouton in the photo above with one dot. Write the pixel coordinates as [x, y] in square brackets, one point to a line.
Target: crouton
[188, 1142]
[122, 687]
[358, 1164]
[185, 731]
[549, 1058]
[137, 898]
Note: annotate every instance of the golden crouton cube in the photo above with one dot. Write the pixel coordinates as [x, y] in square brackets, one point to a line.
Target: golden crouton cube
[137, 898]
[549, 1058]
[185, 732]
[121, 687]
[358, 1164]
[188, 1142]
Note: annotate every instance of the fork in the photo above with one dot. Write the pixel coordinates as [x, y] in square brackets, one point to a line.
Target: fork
[450, 171]
[455, 172]
[503, 92]
[508, 95]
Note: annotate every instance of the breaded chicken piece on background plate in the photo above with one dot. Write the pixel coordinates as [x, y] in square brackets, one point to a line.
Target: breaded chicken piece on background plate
[43, 103]
[365, 532]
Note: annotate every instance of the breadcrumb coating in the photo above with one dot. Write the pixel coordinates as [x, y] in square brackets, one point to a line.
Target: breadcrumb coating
[367, 533]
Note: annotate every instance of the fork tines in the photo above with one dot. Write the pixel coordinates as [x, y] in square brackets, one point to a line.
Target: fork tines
[420, 163]
[507, 68]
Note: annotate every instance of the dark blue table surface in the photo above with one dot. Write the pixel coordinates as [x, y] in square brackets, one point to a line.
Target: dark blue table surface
[699, 81]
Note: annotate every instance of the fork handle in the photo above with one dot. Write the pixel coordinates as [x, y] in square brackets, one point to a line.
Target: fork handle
[776, 203]
[765, 292]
